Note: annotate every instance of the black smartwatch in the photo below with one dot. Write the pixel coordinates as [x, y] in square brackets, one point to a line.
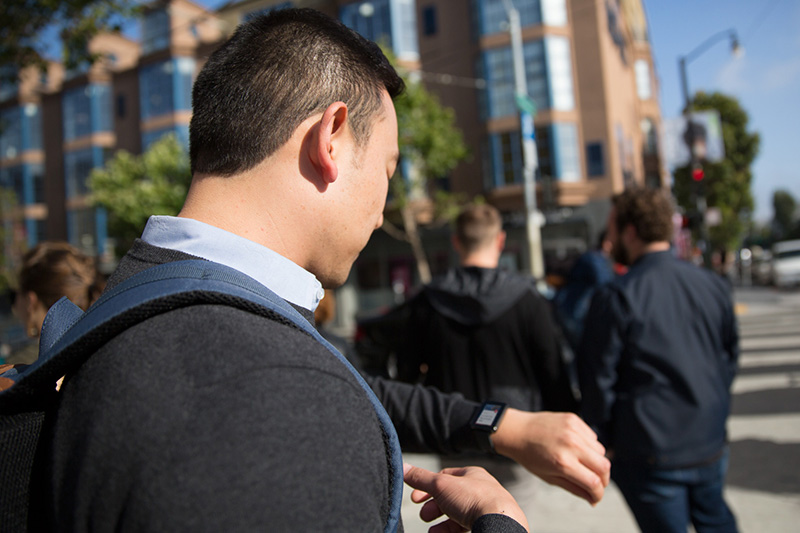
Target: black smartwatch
[487, 420]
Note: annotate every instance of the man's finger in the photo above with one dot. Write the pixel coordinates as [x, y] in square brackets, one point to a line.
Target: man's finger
[418, 478]
[573, 488]
[430, 511]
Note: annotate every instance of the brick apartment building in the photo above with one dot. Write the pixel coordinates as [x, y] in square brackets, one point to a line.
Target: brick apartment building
[589, 71]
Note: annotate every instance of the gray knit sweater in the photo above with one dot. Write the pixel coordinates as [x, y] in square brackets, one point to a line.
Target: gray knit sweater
[210, 418]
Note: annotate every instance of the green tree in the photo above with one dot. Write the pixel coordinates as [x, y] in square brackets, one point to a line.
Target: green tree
[133, 187]
[784, 208]
[75, 21]
[432, 146]
[727, 183]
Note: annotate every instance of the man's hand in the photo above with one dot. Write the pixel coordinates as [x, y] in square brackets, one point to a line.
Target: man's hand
[558, 447]
[463, 494]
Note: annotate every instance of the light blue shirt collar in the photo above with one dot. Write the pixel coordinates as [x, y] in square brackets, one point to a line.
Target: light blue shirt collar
[282, 276]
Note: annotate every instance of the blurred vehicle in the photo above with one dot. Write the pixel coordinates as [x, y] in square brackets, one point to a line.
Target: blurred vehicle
[786, 263]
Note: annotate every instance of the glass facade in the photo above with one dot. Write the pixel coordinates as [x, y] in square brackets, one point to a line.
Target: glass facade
[77, 167]
[499, 71]
[554, 12]
[556, 147]
[644, 89]
[166, 87]
[155, 31]
[20, 130]
[9, 82]
[566, 156]
[393, 22]
[87, 110]
[492, 16]
[548, 70]
[559, 71]
[595, 162]
[86, 229]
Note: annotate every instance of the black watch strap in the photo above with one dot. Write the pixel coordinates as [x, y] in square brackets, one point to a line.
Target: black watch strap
[485, 421]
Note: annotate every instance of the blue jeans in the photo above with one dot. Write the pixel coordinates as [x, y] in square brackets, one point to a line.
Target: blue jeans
[666, 500]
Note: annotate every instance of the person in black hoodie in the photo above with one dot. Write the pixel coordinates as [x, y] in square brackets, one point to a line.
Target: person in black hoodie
[484, 331]
[487, 333]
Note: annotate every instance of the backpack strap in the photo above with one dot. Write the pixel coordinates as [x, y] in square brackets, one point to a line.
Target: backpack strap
[69, 337]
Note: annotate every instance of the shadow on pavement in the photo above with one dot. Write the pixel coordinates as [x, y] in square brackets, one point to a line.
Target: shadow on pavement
[766, 402]
[774, 369]
[764, 466]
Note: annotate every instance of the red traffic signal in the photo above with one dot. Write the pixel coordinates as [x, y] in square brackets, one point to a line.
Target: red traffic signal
[698, 174]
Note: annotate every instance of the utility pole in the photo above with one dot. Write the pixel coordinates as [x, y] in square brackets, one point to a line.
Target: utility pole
[696, 166]
[529, 156]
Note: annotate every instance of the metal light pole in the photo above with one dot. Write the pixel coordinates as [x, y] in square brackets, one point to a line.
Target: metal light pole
[529, 157]
[695, 164]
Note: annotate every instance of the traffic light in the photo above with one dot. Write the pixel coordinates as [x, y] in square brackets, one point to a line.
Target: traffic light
[698, 174]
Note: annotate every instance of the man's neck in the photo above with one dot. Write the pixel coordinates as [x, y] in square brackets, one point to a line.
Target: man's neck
[480, 261]
[649, 248]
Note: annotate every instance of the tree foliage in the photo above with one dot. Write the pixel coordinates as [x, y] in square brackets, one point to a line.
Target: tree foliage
[431, 145]
[785, 222]
[727, 183]
[75, 21]
[133, 187]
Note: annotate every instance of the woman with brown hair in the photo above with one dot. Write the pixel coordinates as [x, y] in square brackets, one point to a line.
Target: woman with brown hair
[49, 271]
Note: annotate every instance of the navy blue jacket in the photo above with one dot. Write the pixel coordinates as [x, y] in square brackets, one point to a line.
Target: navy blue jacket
[656, 362]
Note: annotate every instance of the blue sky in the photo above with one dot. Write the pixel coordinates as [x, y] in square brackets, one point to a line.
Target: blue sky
[765, 80]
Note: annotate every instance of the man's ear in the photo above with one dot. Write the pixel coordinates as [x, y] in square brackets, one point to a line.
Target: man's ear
[501, 241]
[329, 129]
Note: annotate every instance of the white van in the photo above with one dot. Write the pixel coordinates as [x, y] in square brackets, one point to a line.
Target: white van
[786, 263]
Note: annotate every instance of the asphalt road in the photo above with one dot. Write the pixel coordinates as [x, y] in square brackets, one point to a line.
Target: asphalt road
[763, 485]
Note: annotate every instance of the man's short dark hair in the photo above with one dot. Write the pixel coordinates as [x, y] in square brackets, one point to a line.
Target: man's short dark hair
[272, 74]
[477, 225]
[649, 211]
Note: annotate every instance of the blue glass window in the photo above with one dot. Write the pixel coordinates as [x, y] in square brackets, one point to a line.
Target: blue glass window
[372, 19]
[556, 148]
[87, 110]
[429, 23]
[499, 71]
[393, 22]
[77, 167]
[13, 179]
[155, 31]
[507, 160]
[166, 87]
[595, 160]
[493, 19]
[9, 81]
[20, 130]
[35, 173]
[559, 70]
[87, 229]
[643, 86]
[26, 181]
[10, 133]
[31, 127]
[554, 12]
[565, 151]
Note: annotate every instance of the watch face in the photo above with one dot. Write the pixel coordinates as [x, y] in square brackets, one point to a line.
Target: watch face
[489, 416]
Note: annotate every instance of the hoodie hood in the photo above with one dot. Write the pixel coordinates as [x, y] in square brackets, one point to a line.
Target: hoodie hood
[472, 295]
